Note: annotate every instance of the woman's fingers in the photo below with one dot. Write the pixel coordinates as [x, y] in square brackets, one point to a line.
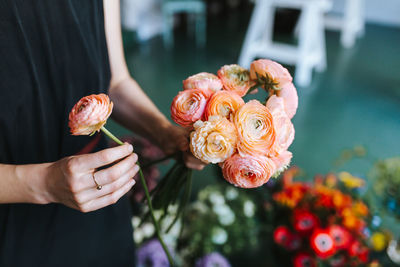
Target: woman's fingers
[92, 193]
[192, 162]
[102, 158]
[107, 200]
[111, 174]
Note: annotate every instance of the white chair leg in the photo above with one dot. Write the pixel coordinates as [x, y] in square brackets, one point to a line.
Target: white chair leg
[361, 18]
[298, 23]
[320, 40]
[261, 13]
[303, 70]
[352, 25]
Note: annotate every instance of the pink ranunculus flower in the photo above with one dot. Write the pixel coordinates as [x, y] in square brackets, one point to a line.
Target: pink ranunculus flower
[188, 106]
[283, 126]
[235, 78]
[249, 171]
[204, 81]
[90, 114]
[282, 162]
[289, 94]
[270, 74]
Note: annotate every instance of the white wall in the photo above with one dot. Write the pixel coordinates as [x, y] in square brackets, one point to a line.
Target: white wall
[385, 12]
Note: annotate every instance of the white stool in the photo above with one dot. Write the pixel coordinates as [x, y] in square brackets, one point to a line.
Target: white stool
[310, 52]
[351, 24]
[195, 8]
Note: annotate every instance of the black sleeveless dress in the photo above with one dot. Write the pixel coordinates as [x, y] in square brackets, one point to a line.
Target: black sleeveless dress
[52, 53]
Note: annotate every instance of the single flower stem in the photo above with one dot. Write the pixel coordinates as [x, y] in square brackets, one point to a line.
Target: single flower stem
[146, 191]
[113, 137]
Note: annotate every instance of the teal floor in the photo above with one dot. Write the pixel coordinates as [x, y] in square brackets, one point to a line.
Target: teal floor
[355, 102]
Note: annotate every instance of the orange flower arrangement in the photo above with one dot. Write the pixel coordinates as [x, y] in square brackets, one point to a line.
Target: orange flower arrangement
[257, 135]
[330, 222]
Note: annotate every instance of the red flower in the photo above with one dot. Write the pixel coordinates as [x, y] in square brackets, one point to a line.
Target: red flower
[294, 242]
[305, 221]
[341, 237]
[359, 251]
[282, 235]
[303, 259]
[322, 243]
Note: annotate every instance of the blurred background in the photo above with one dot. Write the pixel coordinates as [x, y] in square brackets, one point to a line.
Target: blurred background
[344, 56]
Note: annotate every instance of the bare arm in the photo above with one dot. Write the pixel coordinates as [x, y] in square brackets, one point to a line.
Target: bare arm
[133, 109]
[69, 181]
[23, 183]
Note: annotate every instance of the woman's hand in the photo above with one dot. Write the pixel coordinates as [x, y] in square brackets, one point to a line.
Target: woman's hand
[175, 139]
[71, 179]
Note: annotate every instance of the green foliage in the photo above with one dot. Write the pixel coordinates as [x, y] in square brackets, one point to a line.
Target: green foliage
[386, 175]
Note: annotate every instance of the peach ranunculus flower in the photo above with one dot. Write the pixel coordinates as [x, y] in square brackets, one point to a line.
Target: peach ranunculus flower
[256, 130]
[213, 140]
[269, 74]
[223, 103]
[90, 114]
[289, 94]
[248, 171]
[235, 78]
[283, 126]
[282, 162]
[203, 81]
[188, 106]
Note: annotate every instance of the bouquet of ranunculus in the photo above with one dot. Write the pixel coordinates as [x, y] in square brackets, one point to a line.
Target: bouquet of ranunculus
[321, 225]
[249, 141]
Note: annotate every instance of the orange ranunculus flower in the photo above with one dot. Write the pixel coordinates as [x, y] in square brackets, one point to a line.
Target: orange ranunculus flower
[235, 78]
[255, 129]
[204, 81]
[283, 126]
[223, 103]
[289, 94]
[248, 171]
[213, 140]
[269, 74]
[282, 162]
[188, 106]
[90, 114]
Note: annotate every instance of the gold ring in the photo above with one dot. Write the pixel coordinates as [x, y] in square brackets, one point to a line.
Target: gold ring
[98, 187]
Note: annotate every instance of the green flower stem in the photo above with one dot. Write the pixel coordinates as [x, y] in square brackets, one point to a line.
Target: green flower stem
[113, 137]
[146, 191]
